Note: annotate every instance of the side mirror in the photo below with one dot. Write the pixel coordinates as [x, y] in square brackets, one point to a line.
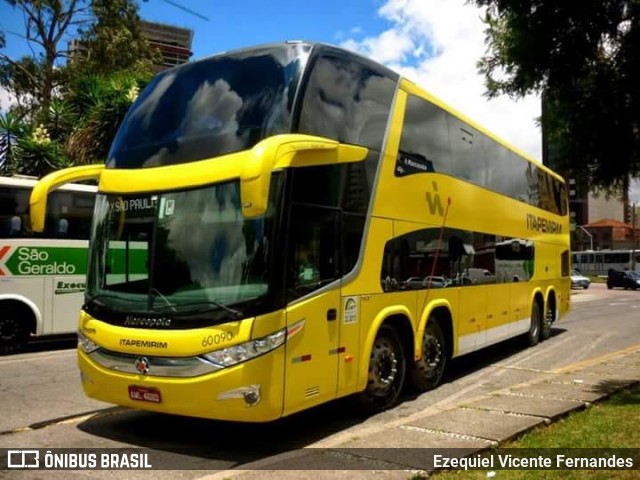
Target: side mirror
[38, 199]
[283, 151]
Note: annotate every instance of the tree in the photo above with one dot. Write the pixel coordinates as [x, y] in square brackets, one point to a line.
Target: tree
[11, 128]
[114, 41]
[583, 58]
[46, 22]
[104, 102]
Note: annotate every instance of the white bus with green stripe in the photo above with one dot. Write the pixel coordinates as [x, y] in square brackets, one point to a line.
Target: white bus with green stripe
[42, 276]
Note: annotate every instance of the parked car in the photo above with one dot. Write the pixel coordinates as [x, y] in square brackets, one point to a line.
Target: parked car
[579, 281]
[623, 279]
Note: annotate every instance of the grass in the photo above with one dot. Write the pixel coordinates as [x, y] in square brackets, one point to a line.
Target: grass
[611, 424]
[595, 279]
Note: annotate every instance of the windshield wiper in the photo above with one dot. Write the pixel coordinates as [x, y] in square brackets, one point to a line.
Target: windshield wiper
[96, 299]
[209, 306]
[169, 304]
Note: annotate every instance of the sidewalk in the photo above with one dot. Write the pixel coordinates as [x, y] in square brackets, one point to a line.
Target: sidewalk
[471, 426]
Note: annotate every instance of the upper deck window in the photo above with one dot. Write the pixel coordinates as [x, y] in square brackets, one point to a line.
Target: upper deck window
[219, 105]
[434, 140]
[346, 101]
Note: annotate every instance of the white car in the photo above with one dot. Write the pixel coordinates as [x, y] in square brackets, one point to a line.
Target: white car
[579, 281]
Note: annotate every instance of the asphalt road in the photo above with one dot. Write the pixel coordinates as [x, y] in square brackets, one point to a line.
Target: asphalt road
[43, 405]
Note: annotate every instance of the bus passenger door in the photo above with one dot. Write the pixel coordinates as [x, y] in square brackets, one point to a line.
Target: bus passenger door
[313, 293]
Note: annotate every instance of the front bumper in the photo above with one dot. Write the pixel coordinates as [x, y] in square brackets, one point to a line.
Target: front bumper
[248, 392]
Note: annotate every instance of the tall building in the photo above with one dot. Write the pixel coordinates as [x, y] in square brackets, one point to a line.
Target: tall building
[173, 42]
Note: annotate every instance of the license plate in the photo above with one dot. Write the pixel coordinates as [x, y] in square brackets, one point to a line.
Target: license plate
[144, 394]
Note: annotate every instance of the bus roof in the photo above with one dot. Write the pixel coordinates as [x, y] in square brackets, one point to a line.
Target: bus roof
[23, 181]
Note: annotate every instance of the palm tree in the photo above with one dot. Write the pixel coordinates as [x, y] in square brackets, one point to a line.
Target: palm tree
[11, 128]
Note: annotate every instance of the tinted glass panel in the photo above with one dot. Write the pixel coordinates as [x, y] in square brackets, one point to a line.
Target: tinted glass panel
[435, 141]
[68, 214]
[313, 249]
[190, 254]
[211, 107]
[467, 153]
[346, 101]
[425, 139]
[420, 260]
[14, 212]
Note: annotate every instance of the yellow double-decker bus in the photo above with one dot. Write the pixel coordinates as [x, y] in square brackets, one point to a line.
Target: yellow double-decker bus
[301, 224]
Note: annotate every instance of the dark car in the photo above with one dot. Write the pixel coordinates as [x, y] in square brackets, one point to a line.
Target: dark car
[625, 279]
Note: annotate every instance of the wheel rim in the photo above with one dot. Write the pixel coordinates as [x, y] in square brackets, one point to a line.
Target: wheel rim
[550, 317]
[9, 329]
[384, 367]
[432, 356]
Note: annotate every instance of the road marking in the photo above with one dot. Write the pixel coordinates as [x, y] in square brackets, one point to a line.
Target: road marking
[601, 358]
[524, 369]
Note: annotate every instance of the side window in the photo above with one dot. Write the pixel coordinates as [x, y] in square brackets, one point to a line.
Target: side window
[352, 232]
[346, 101]
[424, 144]
[467, 152]
[419, 260]
[313, 249]
[433, 140]
[14, 212]
[514, 259]
[69, 215]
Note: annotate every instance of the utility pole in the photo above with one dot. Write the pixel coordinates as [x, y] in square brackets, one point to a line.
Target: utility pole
[633, 237]
[589, 235]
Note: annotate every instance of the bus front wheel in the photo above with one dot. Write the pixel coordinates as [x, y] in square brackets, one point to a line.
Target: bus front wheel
[387, 366]
[14, 328]
[426, 373]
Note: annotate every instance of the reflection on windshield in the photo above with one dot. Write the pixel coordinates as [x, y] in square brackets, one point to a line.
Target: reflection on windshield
[178, 251]
[211, 107]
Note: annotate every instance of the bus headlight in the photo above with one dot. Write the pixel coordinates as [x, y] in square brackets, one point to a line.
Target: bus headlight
[227, 357]
[86, 344]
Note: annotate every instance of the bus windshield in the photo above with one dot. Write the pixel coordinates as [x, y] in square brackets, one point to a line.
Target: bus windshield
[185, 252]
[220, 105]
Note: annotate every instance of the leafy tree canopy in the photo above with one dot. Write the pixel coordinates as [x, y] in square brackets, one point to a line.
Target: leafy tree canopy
[113, 42]
[68, 113]
[583, 58]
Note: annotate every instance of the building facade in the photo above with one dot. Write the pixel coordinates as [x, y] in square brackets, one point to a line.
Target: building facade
[174, 44]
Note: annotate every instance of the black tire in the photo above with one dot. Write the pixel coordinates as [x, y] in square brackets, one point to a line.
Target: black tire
[14, 328]
[585, 287]
[387, 368]
[547, 322]
[426, 373]
[533, 337]
[609, 286]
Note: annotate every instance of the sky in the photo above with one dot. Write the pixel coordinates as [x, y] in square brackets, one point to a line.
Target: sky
[435, 43]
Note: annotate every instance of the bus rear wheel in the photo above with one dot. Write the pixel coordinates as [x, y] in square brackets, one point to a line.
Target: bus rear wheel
[533, 337]
[549, 318]
[387, 366]
[426, 374]
[14, 328]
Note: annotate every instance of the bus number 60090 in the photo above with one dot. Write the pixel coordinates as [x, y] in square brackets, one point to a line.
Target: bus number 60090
[217, 338]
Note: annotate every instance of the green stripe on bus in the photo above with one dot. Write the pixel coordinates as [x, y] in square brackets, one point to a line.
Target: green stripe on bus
[30, 261]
